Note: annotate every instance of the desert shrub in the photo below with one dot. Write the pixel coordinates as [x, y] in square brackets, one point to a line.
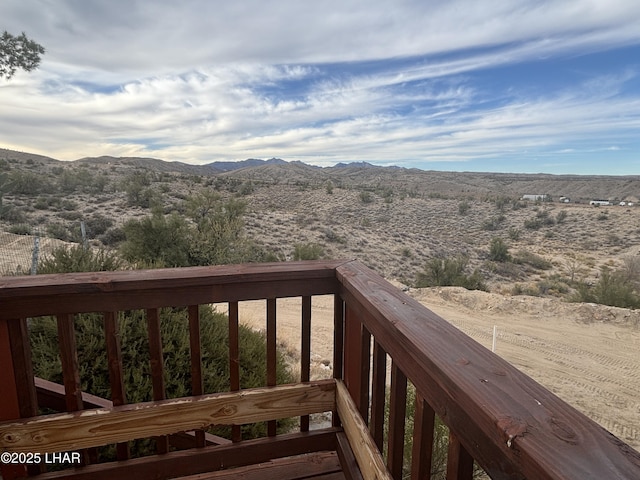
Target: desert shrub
[28, 183]
[493, 223]
[12, 214]
[445, 271]
[365, 197]
[332, 236]
[529, 258]
[59, 231]
[307, 251]
[514, 233]
[329, 187]
[612, 289]
[561, 216]
[76, 258]
[97, 224]
[113, 236]
[533, 224]
[499, 250]
[463, 207]
[20, 229]
[157, 238]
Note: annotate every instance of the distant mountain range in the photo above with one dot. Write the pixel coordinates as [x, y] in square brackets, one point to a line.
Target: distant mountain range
[365, 175]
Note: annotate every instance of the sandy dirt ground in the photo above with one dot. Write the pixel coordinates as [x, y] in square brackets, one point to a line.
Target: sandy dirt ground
[586, 354]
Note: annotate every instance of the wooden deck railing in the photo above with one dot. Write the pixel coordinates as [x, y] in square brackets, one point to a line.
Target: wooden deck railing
[498, 417]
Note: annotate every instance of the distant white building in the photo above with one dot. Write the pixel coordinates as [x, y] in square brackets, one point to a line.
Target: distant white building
[599, 203]
[534, 198]
[565, 200]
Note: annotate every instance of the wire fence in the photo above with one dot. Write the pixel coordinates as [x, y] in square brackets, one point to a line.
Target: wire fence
[20, 254]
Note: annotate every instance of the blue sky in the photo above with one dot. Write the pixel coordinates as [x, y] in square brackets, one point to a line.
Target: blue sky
[517, 86]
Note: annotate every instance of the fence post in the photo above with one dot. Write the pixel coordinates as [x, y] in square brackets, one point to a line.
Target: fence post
[34, 256]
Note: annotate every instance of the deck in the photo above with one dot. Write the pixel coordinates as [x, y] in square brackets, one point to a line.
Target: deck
[498, 419]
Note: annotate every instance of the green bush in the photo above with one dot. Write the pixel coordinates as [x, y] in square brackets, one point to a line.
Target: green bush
[307, 251]
[365, 197]
[76, 258]
[499, 250]
[463, 207]
[441, 272]
[612, 288]
[529, 258]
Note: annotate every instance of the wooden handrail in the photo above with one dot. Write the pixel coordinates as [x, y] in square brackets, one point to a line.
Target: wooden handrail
[55, 294]
[511, 425]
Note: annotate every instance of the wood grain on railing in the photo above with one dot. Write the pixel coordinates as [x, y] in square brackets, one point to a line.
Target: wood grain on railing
[91, 428]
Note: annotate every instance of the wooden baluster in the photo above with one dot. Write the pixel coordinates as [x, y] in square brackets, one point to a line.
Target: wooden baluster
[114, 363]
[156, 362]
[459, 461]
[305, 349]
[397, 411]
[271, 355]
[422, 450]
[197, 384]
[338, 346]
[11, 391]
[378, 394]
[234, 361]
[71, 371]
[357, 361]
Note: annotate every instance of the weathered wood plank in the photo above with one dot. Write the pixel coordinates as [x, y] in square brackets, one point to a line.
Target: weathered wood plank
[364, 448]
[22, 367]
[513, 426]
[397, 411]
[347, 458]
[305, 352]
[422, 448]
[30, 296]
[311, 465]
[208, 459]
[90, 428]
[51, 395]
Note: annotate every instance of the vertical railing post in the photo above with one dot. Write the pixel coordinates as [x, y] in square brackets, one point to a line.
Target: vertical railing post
[357, 361]
[271, 355]
[459, 461]
[9, 396]
[116, 379]
[305, 352]
[338, 346]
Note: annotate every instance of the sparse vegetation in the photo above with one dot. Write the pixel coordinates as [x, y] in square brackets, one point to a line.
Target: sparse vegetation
[440, 272]
[499, 250]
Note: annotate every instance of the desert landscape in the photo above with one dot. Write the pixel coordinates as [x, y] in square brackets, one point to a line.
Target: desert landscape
[395, 221]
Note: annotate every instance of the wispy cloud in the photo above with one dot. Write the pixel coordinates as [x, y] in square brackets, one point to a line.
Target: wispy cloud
[417, 85]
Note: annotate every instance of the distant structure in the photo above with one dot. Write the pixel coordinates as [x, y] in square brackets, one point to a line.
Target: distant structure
[535, 198]
[599, 203]
[565, 200]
